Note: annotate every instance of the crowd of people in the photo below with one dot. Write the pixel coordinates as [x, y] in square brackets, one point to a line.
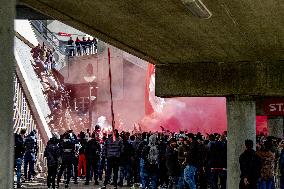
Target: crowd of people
[148, 160]
[55, 92]
[81, 47]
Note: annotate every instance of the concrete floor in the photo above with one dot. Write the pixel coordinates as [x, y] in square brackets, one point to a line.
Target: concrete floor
[41, 184]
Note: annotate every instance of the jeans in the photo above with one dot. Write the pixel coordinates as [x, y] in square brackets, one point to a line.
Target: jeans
[266, 184]
[102, 167]
[215, 174]
[124, 172]
[181, 180]
[189, 176]
[173, 181]
[18, 165]
[29, 159]
[282, 182]
[146, 177]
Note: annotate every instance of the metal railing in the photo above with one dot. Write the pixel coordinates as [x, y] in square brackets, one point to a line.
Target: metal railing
[49, 36]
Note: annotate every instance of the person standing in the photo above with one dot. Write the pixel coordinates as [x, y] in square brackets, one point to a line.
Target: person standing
[19, 154]
[191, 162]
[67, 155]
[126, 158]
[52, 153]
[30, 155]
[82, 158]
[92, 154]
[250, 165]
[267, 171]
[71, 47]
[281, 165]
[112, 149]
[172, 163]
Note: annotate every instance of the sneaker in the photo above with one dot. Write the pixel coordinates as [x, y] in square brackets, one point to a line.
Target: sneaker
[87, 183]
[66, 185]
[96, 182]
[19, 186]
[103, 187]
[75, 182]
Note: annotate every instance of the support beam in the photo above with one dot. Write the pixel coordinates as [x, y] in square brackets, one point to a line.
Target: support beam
[7, 11]
[220, 79]
[241, 126]
[275, 126]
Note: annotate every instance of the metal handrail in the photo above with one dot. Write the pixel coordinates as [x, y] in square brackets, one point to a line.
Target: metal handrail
[49, 36]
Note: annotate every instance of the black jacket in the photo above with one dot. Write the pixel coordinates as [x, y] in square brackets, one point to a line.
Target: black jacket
[172, 161]
[192, 153]
[217, 155]
[19, 146]
[52, 153]
[127, 153]
[250, 165]
[92, 149]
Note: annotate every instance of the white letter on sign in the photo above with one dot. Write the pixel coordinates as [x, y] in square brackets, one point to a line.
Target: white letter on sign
[272, 107]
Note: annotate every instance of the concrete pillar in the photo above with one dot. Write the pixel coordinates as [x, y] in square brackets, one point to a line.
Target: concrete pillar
[275, 126]
[241, 126]
[6, 93]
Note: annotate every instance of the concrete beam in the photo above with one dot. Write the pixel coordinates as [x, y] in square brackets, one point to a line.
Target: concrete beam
[220, 79]
[24, 12]
[7, 14]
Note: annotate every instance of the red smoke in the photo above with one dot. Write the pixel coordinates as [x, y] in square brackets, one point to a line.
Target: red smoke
[198, 114]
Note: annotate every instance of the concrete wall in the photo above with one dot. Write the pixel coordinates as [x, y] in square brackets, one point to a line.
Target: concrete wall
[220, 79]
[7, 63]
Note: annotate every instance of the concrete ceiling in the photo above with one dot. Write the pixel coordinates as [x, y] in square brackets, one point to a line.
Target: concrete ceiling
[165, 32]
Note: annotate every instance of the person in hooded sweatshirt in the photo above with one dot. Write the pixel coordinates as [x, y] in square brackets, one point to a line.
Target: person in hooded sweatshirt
[52, 153]
[250, 165]
[150, 157]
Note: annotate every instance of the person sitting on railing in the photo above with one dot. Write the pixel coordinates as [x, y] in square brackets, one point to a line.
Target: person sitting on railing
[78, 46]
[70, 47]
[84, 45]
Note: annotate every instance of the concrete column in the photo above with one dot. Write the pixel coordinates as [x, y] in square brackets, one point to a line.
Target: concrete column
[6, 93]
[275, 126]
[241, 126]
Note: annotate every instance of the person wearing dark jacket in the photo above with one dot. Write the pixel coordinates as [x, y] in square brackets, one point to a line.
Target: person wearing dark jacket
[52, 153]
[82, 158]
[30, 155]
[126, 158]
[191, 162]
[67, 154]
[92, 154]
[250, 165]
[78, 46]
[172, 163]
[19, 154]
[217, 161]
[112, 151]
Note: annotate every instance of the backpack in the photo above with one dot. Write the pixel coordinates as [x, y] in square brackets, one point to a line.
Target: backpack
[30, 144]
[153, 155]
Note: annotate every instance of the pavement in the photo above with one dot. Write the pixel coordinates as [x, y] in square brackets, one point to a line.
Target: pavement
[40, 183]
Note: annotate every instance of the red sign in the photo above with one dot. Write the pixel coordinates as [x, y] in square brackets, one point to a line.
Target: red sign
[274, 106]
[64, 34]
